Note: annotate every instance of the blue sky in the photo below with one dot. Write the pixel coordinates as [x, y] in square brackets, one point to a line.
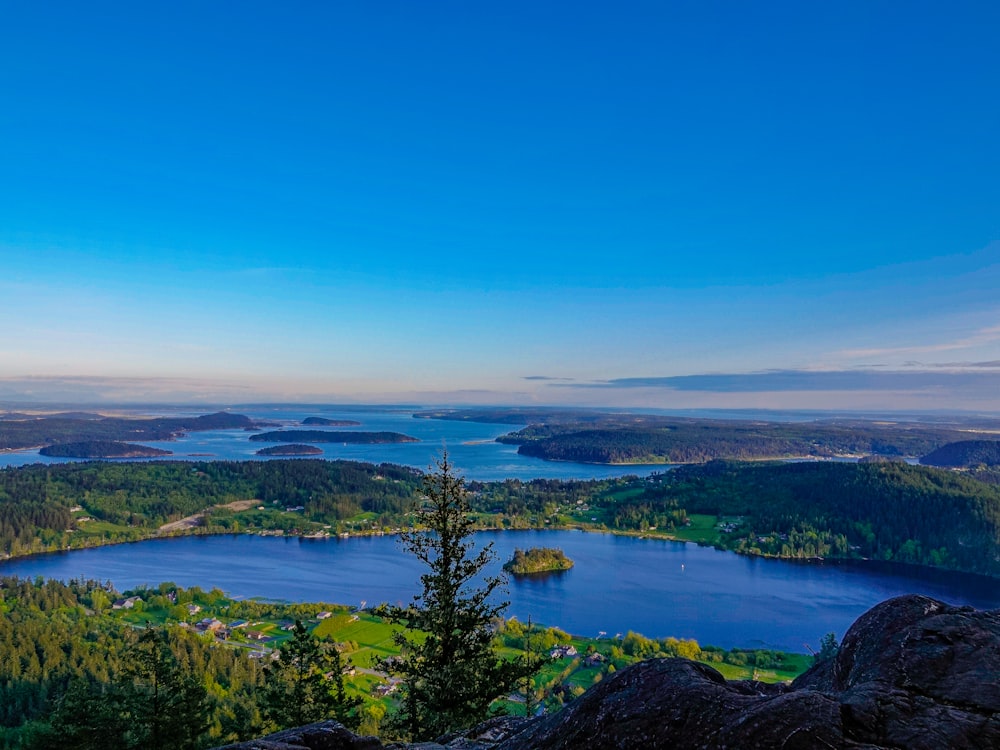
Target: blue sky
[780, 205]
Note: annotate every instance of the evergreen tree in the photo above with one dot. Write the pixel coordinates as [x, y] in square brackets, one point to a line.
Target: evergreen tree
[306, 684]
[451, 671]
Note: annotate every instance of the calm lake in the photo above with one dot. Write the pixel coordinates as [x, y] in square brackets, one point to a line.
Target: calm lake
[653, 587]
[470, 445]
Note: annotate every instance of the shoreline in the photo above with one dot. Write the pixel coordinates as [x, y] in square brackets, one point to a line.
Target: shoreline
[324, 535]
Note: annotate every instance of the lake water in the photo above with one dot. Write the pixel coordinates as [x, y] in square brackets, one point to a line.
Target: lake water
[470, 445]
[653, 587]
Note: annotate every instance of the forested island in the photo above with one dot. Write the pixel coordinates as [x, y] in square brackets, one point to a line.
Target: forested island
[291, 449]
[324, 422]
[537, 560]
[329, 436]
[591, 436]
[894, 512]
[101, 449]
[26, 431]
[678, 442]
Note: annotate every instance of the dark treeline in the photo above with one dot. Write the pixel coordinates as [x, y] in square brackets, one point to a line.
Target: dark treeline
[886, 511]
[659, 439]
[29, 432]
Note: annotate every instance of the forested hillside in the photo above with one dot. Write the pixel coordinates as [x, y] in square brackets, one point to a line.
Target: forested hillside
[886, 511]
[52, 635]
[127, 501]
[965, 454]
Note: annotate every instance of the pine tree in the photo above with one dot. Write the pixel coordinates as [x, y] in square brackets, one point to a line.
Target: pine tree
[451, 671]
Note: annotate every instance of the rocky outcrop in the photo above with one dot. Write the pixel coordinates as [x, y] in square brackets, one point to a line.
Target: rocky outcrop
[912, 672]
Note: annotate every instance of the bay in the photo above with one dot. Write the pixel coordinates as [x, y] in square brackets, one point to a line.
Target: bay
[618, 583]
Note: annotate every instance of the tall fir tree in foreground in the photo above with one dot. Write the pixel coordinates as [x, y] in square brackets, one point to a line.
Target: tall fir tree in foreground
[450, 668]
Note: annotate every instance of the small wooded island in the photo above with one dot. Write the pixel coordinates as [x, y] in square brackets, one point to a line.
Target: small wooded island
[537, 560]
[329, 436]
[101, 449]
[291, 449]
[330, 422]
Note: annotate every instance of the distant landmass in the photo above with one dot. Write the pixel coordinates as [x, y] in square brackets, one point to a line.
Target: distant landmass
[604, 437]
[327, 436]
[32, 431]
[330, 422]
[292, 449]
[101, 449]
[965, 454]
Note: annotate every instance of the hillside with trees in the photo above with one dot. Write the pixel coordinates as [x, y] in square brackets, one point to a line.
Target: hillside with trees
[965, 454]
[674, 441]
[884, 511]
[890, 511]
[49, 507]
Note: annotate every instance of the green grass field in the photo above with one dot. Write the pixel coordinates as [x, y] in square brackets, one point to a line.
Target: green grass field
[702, 529]
[370, 641]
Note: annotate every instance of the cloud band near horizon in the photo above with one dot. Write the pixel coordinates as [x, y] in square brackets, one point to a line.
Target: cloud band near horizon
[809, 380]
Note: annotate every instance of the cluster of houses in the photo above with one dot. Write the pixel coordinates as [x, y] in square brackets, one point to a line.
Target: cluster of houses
[594, 659]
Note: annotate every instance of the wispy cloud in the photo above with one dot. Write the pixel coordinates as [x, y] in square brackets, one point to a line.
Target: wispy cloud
[994, 363]
[987, 335]
[809, 380]
[548, 378]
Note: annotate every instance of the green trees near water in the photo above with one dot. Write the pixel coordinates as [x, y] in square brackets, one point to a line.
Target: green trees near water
[450, 668]
[537, 560]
